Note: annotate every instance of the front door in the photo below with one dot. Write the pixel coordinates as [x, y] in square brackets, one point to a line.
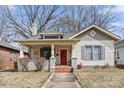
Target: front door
[63, 54]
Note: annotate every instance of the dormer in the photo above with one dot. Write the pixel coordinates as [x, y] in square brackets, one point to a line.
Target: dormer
[51, 35]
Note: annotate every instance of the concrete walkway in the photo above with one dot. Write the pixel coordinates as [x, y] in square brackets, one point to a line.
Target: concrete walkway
[62, 80]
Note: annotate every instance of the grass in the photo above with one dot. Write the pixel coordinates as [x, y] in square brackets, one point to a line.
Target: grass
[101, 78]
[23, 79]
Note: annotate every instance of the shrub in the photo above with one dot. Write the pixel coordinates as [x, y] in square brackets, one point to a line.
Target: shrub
[80, 66]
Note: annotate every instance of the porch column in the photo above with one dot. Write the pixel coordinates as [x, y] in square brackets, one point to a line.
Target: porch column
[52, 50]
[21, 53]
[73, 50]
[73, 58]
[52, 58]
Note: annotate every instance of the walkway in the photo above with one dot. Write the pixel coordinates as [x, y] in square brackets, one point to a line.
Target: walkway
[63, 80]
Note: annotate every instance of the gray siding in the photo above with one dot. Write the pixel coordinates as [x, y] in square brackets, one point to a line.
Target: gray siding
[98, 39]
[99, 35]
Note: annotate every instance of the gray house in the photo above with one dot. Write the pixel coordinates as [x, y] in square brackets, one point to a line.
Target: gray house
[92, 46]
[119, 52]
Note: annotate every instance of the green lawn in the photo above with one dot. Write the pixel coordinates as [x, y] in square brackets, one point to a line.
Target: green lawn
[23, 79]
[101, 78]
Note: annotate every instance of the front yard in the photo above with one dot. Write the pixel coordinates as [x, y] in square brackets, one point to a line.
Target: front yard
[101, 78]
[23, 79]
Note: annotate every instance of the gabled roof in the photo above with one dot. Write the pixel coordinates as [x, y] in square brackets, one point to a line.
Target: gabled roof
[115, 37]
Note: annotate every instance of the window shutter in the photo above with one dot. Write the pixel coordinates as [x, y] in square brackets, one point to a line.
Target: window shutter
[102, 52]
[82, 52]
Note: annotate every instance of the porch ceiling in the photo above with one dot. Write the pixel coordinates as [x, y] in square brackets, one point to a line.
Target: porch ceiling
[65, 42]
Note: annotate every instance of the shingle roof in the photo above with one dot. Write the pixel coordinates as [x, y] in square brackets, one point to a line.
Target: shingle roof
[51, 32]
[68, 35]
[119, 43]
[35, 37]
[65, 35]
[6, 45]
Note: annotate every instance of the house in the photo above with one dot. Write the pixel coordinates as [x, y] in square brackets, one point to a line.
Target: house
[119, 52]
[9, 56]
[92, 46]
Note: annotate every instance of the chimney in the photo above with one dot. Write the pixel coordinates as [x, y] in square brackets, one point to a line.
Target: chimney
[34, 29]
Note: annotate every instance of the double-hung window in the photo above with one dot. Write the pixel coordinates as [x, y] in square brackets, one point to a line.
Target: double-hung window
[97, 52]
[89, 52]
[92, 52]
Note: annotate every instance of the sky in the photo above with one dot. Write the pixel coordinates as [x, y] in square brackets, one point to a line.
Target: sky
[117, 9]
[120, 11]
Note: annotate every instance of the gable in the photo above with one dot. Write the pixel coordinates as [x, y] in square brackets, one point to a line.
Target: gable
[100, 34]
[95, 34]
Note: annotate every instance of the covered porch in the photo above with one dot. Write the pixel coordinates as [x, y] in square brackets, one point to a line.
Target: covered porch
[56, 52]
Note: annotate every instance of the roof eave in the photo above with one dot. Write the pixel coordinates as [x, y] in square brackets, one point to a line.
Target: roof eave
[115, 37]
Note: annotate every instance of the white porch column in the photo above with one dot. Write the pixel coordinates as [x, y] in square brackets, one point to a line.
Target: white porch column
[21, 55]
[52, 58]
[73, 50]
[52, 50]
[73, 58]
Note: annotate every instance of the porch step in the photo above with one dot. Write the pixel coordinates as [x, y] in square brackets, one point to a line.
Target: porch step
[62, 69]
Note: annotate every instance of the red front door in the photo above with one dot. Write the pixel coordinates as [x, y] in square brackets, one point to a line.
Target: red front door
[63, 54]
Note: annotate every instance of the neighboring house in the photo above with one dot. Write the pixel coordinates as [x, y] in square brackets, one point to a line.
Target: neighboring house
[119, 52]
[9, 56]
[92, 47]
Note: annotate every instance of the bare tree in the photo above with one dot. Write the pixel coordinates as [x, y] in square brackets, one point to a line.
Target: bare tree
[77, 18]
[21, 18]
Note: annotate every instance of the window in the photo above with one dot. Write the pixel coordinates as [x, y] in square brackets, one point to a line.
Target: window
[117, 55]
[93, 52]
[89, 53]
[97, 52]
[45, 52]
[35, 52]
[51, 37]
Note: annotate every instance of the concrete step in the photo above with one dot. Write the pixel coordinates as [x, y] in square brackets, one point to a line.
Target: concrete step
[64, 69]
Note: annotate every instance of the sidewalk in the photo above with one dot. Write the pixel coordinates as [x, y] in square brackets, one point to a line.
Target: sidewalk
[62, 80]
